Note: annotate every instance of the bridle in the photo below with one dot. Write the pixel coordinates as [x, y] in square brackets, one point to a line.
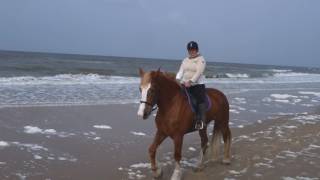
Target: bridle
[152, 105]
[149, 104]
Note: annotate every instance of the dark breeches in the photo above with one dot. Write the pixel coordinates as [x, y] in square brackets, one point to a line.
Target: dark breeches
[198, 92]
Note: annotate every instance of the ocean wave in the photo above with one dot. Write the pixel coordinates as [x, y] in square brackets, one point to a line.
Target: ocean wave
[87, 79]
[262, 74]
[279, 78]
[68, 79]
[280, 70]
[230, 75]
[292, 74]
[66, 104]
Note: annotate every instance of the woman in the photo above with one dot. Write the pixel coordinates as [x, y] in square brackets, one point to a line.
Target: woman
[191, 76]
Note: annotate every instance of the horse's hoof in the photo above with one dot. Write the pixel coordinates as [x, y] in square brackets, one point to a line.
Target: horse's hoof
[198, 168]
[213, 160]
[226, 161]
[177, 175]
[157, 173]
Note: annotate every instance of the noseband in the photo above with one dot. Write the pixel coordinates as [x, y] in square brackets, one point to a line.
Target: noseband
[149, 104]
[152, 105]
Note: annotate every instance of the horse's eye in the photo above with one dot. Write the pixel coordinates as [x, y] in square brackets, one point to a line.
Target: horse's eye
[152, 90]
[140, 89]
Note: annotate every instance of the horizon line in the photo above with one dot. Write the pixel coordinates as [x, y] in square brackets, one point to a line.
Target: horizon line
[152, 58]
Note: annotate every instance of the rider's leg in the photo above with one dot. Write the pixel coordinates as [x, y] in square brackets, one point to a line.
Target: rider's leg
[198, 92]
[202, 116]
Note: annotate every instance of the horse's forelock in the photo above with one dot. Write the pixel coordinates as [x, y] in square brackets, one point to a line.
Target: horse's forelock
[154, 76]
[146, 79]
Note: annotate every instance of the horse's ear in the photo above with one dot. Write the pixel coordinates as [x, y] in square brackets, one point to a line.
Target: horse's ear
[158, 71]
[141, 72]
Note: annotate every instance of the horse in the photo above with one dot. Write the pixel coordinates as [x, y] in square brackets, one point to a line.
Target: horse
[175, 118]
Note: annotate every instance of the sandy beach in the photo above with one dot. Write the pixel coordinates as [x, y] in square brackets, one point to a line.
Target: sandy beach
[110, 142]
[284, 148]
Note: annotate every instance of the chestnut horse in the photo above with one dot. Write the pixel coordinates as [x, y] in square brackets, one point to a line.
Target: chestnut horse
[175, 118]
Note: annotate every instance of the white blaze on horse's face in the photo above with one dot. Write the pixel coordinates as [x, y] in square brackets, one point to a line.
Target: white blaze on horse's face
[144, 95]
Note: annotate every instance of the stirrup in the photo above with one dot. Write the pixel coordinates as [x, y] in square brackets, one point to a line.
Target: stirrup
[199, 125]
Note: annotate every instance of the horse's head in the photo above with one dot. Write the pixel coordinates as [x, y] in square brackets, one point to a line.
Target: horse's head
[149, 92]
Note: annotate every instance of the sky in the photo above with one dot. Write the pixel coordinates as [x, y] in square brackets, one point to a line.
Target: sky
[279, 32]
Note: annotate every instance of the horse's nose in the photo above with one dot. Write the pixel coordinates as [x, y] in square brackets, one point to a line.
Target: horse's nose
[140, 114]
[145, 116]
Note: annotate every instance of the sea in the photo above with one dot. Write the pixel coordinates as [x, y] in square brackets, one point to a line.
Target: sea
[255, 92]
[68, 116]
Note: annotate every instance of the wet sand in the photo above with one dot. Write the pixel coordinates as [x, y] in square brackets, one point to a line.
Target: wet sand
[276, 149]
[110, 142]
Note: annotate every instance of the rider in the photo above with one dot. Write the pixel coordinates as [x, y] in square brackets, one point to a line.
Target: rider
[191, 76]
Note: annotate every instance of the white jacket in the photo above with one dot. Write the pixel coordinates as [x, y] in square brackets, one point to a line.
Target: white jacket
[192, 69]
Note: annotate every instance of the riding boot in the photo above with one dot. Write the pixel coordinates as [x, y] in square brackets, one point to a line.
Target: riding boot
[201, 116]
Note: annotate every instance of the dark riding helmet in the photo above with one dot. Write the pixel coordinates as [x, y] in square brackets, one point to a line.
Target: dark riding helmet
[192, 45]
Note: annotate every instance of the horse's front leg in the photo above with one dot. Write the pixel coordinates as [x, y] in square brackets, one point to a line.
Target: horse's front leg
[158, 139]
[204, 147]
[178, 141]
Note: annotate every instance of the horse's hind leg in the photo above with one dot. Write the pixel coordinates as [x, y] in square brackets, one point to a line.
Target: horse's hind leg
[158, 139]
[215, 142]
[227, 144]
[204, 147]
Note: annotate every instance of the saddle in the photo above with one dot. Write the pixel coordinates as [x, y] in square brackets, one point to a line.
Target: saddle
[193, 102]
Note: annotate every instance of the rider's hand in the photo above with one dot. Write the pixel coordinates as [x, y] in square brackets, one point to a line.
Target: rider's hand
[187, 84]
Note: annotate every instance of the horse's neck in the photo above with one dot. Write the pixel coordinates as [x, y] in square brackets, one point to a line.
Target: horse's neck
[168, 91]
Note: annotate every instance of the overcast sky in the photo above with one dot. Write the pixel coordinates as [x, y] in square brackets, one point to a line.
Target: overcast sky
[282, 32]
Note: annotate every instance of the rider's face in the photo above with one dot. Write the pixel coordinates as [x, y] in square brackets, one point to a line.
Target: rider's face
[193, 52]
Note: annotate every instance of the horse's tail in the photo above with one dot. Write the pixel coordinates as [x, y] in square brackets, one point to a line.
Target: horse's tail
[215, 143]
[221, 126]
[221, 129]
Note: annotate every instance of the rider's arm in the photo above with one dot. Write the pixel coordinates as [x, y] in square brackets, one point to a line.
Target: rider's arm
[201, 65]
[180, 73]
